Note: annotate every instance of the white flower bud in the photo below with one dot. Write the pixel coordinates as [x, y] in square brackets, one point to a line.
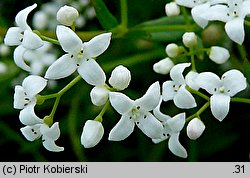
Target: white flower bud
[3, 68]
[172, 50]
[190, 80]
[120, 78]
[219, 55]
[163, 66]
[195, 128]
[189, 39]
[92, 133]
[99, 95]
[40, 20]
[4, 50]
[172, 9]
[67, 15]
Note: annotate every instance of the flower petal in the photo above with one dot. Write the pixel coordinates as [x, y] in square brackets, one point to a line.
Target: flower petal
[216, 12]
[190, 80]
[220, 106]
[52, 132]
[27, 116]
[120, 102]
[33, 84]
[19, 97]
[31, 40]
[96, 45]
[51, 146]
[176, 73]
[186, 3]
[122, 129]
[184, 99]
[196, 14]
[151, 98]
[208, 81]
[31, 133]
[150, 126]
[177, 122]
[168, 91]
[91, 72]
[68, 39]
[235, 30]
[21, 17]
[61, 68]
[175, 147]
[244, 9]
[159, 115]
[234, 82]
[13, 36]
[19, 59]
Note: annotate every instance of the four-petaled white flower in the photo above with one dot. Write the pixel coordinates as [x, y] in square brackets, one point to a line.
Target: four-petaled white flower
[23, 37]
[175, 90]
[172, 128]
[231, 82]
[49, 135]
[136, 112]
[25, 98]
[233, 13]
[80, 56]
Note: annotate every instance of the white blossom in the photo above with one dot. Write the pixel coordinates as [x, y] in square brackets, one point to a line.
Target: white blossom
[25, 98]
[99, 95]
[231, 82]
[80, 56]
[67, 15]
[136, 112]
[49, 135]
[172, 50]
[195, 128]
[163, 66]
[92, 133]
[219, 54]
[172, 128]
[23, 37]
[189, 39]
[172, 9]
[175, 89]
[120, 78]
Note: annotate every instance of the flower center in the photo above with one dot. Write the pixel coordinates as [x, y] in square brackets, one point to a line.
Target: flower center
[135, 112]
[176, 87]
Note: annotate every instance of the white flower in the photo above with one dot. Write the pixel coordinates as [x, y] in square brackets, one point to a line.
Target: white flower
[189, 39]
[219, 54]
[79, 57]
[175, 89]
[231, 82]
[99, 95]
[198, 8]
[92, 133]
[172, 50]
[39, 58]
[172, 128]
[23, 37]
[25, 98]
[233, 13]
[163, 66]
[195, 128]
[67, 15]
[136, 112]
[49, 135]
[120, 78]
[172, 9]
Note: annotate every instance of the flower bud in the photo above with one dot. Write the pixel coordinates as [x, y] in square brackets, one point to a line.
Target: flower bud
[99, 95]
[190, 80]
[92, 133]
[67, 15]
[163, 66]
[172, 9]
[120, 78]
[219, 55]
[195, 128]
[172, 50]
[189, 39]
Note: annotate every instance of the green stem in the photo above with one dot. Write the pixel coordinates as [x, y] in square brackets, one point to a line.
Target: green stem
[197, 93]
[124, 13]
[192, 59]
[164, 28]
[199, 112]
[45, 38]
[71, 84]
[240, 100]
[104, 109]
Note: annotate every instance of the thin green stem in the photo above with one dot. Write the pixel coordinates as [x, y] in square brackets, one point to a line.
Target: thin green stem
[192, 59]
[240, 100]
[124, 13]
[164, 28]
[71, 84]
[104, 109]
[45, 38]
[199, 112]
[197, 93]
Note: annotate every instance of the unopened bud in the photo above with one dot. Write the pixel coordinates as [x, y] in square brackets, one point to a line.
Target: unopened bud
[189, 39]
[172, 50]
[163, 66]
[219, 55]
[172, 9]
[120, 78]
[67, 15]
[195, 128]
[190, 80]
[92, 133]
[99, 95]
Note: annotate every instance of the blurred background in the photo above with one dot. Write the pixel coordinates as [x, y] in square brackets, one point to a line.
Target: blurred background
[221, 141]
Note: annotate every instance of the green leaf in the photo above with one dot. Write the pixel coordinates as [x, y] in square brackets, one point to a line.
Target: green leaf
[106, 19]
